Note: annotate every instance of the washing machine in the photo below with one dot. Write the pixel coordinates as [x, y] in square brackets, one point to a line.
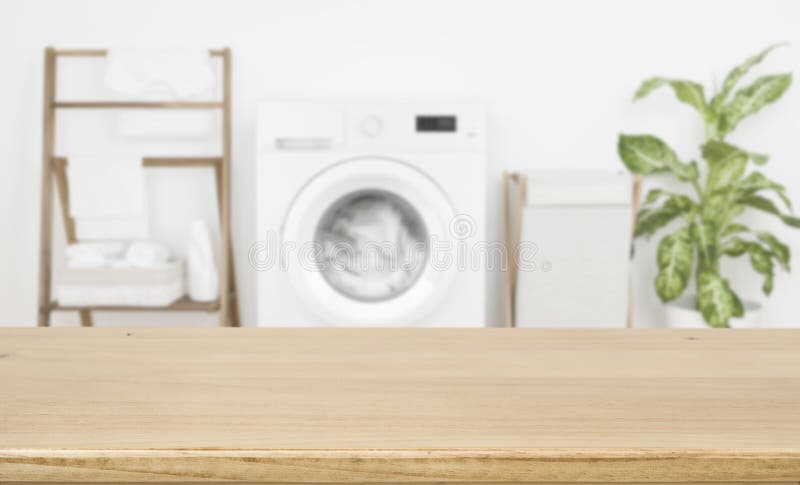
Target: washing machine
[370, 214]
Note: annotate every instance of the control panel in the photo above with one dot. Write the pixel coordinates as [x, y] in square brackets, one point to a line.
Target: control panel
[371, 126]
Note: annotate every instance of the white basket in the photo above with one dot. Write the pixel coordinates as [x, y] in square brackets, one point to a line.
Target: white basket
[159, 286]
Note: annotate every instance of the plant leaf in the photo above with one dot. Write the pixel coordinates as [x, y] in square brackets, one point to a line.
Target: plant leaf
[736, 74]
[653, 195]
[757, 181]
[769, 282]
[759, 258]
[790, 221]
[746, 101]
[780, 251]
[726, 164]
[766, 205]
[761, 261]
[773, 248]
[760, 203]
[685, 171]
[646, 154]
[716, 301]
[692, 94]
[648, 86]
[675, 259]
[735, 247]
[720, 207]
[688, 92]
[759, 158]
[733, 229]
[704, 234]
[650, 220]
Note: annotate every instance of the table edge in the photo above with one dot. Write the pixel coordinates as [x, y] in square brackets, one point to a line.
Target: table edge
[402, 465]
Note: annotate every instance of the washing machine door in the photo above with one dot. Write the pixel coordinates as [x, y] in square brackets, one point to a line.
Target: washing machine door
[367, 242]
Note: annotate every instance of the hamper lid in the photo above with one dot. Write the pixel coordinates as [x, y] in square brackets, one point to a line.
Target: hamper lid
[579, 187]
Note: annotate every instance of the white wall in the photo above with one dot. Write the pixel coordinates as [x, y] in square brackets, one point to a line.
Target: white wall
[557, 77]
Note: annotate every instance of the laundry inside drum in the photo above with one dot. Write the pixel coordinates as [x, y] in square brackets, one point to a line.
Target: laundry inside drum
[373, 245]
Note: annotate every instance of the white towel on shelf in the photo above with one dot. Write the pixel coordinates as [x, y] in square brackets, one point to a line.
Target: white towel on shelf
[105, 186]
[128, 295]
[162, 75]
[121, 284]
[91, 261]
[117, 254]
[107, 196]
[171, 72]
[166, 123]
[93, 254]
[105, 249]
[146, 254]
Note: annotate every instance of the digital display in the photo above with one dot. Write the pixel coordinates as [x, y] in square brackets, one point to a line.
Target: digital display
[436, 123]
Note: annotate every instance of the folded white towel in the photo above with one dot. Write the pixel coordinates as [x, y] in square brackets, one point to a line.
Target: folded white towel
[105, 186]
[119, 284]
[106, 249]
[107, 196]
[93, 255]
[85, 262]
[174, 73]
[128, 295]
[166, 123]
[162, 74]
[146, 254]
[120, 264]
[117, 254]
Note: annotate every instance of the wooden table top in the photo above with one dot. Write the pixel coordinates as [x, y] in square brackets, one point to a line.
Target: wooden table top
[402, 405]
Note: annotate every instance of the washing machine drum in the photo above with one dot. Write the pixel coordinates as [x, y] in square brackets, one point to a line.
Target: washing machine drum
[367, 241]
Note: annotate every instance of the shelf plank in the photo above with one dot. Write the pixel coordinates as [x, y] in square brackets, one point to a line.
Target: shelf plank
[104, 52]
[139, 104]
[165, 162]
[184, 304]
[59, 163]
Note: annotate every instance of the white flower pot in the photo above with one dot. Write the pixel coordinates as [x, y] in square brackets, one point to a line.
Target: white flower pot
[681, 313]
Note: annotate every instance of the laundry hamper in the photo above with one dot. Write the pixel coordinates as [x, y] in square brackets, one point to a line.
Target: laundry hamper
[573, 250]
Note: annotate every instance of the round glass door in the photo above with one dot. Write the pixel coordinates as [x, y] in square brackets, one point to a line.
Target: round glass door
[370, 224]
[374, 245]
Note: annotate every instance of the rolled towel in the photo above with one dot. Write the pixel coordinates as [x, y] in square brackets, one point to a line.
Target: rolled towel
[201, 270]
[146, 254]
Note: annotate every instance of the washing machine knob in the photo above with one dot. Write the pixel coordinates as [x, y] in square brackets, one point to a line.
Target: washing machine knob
[372, 126]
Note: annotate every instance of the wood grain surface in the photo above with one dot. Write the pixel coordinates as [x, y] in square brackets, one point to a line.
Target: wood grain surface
[399, 405]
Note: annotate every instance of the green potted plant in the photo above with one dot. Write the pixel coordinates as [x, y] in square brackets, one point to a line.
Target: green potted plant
[718, 192]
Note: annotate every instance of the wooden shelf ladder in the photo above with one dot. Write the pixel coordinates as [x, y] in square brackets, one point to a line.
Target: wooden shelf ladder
[54, 172]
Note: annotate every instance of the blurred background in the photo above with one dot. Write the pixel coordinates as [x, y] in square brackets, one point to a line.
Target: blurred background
[556, 80]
